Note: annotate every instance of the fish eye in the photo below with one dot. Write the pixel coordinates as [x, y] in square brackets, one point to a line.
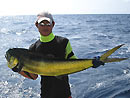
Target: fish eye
[7, 56]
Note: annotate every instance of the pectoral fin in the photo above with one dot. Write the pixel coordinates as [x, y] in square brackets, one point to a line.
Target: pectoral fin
[20, 66]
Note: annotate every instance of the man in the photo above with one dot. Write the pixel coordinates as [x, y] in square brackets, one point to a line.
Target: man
[53, 47]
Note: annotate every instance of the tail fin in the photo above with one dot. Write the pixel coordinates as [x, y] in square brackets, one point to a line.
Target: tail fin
[109, 60]
[105, 55]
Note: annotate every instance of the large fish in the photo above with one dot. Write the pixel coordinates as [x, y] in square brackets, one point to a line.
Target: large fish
[38, 64]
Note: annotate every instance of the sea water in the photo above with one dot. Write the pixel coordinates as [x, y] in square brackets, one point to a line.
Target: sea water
[90, 36]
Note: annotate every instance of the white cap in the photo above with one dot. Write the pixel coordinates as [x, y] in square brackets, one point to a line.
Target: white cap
[45, 16]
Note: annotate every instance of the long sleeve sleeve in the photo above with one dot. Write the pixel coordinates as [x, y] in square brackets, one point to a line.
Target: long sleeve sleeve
[69, 52]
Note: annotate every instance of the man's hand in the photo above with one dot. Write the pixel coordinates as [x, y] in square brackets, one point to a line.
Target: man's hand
[96, 62]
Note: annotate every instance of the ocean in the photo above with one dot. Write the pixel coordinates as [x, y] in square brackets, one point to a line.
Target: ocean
[90, 35]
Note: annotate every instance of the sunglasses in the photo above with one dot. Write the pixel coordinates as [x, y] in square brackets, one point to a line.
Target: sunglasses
[43, 24]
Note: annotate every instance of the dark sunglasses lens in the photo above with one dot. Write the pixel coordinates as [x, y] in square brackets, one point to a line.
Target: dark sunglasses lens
[42, 24]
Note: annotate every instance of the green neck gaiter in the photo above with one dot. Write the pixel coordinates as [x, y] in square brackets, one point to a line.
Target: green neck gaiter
[47, 38]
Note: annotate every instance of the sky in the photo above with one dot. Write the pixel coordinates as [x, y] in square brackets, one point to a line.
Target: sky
[32, 7]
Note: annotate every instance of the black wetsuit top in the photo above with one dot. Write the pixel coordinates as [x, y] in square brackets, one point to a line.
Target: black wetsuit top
[51, 86]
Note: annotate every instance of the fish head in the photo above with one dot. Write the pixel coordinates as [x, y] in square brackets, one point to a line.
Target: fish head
[12, 60]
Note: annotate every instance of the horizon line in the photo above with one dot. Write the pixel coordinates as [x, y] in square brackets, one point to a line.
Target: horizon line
[71, 14]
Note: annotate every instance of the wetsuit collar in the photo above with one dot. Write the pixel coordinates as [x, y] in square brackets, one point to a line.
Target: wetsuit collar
[47, 38]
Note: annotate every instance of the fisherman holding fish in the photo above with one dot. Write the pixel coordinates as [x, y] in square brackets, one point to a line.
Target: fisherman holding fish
[52, 46]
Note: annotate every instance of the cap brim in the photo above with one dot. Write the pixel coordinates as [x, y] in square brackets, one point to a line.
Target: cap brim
[44, 18]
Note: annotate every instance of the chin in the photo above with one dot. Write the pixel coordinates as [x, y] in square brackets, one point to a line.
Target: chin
[45, 34]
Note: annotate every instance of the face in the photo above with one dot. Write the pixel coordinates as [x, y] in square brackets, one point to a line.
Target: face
[44, 27]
